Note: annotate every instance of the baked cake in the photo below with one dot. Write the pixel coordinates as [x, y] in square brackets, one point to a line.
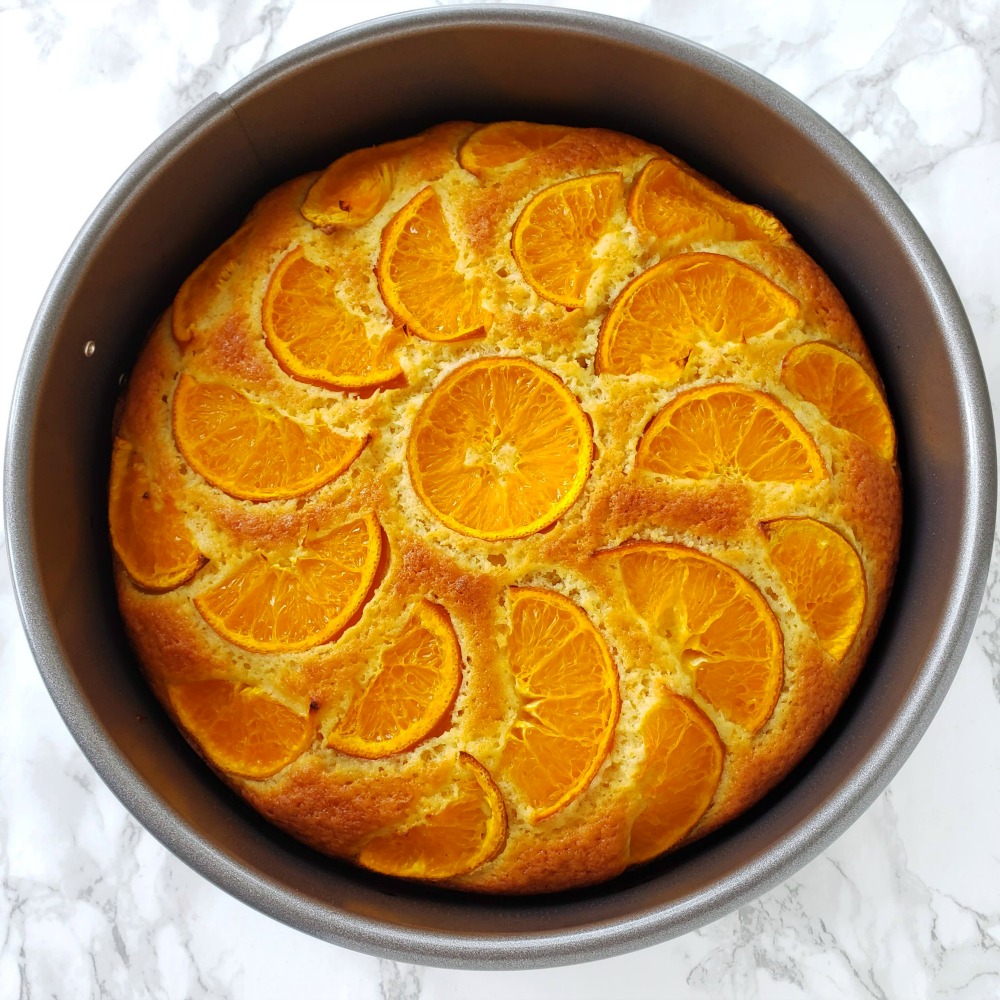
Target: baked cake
[504, 506]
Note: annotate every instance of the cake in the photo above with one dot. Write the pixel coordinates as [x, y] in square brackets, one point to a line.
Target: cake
[504, 506]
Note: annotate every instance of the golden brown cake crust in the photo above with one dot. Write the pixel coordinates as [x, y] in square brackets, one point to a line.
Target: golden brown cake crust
[335, 802]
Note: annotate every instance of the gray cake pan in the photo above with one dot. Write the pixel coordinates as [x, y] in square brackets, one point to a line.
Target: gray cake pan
[386, 79]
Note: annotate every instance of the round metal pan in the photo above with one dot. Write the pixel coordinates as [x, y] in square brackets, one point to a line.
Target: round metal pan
[389, 78]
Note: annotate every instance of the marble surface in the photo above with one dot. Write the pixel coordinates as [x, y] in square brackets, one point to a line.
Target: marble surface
[905, 904]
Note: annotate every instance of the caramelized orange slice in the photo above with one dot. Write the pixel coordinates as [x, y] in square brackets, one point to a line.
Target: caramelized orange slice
[503, 143]
[416, 682]
[253, 451]
[315, 337]
[500, 449]
[567, 700]
[673, 204]
[557, 236]
[418, 274]
[682, 770]
[446, 840]
[842, 391]
[824, 577]
[716, 621]
[148, 531]
[726, 430]
[198, 296]
[303, 598]
[353, 189]
[242, 730]
[692, 298]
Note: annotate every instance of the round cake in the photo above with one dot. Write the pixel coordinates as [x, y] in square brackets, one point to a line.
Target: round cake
[504, 506]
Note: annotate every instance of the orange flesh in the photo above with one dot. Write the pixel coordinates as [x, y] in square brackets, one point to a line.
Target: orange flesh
[502, 143]
[453, 840]
[148, 531]
[416, 682]
[280, 605]
[242, 730]
[692, 298]
[726, 430]
[716, 622]
[568, 701]
[500, 448]
[679, 777]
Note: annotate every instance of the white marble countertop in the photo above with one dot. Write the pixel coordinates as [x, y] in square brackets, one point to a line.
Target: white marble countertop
[905, 904]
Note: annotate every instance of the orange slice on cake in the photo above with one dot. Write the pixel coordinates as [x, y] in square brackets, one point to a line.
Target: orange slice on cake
[315, 337]
[568, 701]
[726, 430]
[414, 686]
[692, 298]
[842, 391]
[557, 236]
[242, 729]
[679, 776]
[824, 577]
[148, 530]
[671, 203]
[253, 451]
[452, 835]
[300, 598]
[502, 143]
[419, 277]
[715, 621]
[500, 449]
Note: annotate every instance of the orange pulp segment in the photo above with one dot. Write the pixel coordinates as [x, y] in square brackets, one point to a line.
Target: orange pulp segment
[457, 838]
[199, 294]
[824, 577]
[842, 391]
[148, 531]
[500, 449]
[241, 729]
[300, 599]
[727, 430]
[682, 769]
[671, 203]
[715, 620]
[503, 143]
[315, 337]
[662, 314]
[352, 190]
[567, 700]
[250, 450]
[416, 683]
[418, 274]
[556, 235]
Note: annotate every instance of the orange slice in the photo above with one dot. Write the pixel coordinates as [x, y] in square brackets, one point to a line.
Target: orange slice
[500, 449]
[682, 770]
[252, 451]
[452, 840]
[418, 274]
[502, 143]
[352, 190]
[148, 532]
[716, 621]
[692, 298]
[842, 391]
[301, 599]
[824, 577]
[567, 700]
[197, 297]
[407, 698]
[726, 430]
[242, 730]
[673, 204]
[556, 237]
[315, 337]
